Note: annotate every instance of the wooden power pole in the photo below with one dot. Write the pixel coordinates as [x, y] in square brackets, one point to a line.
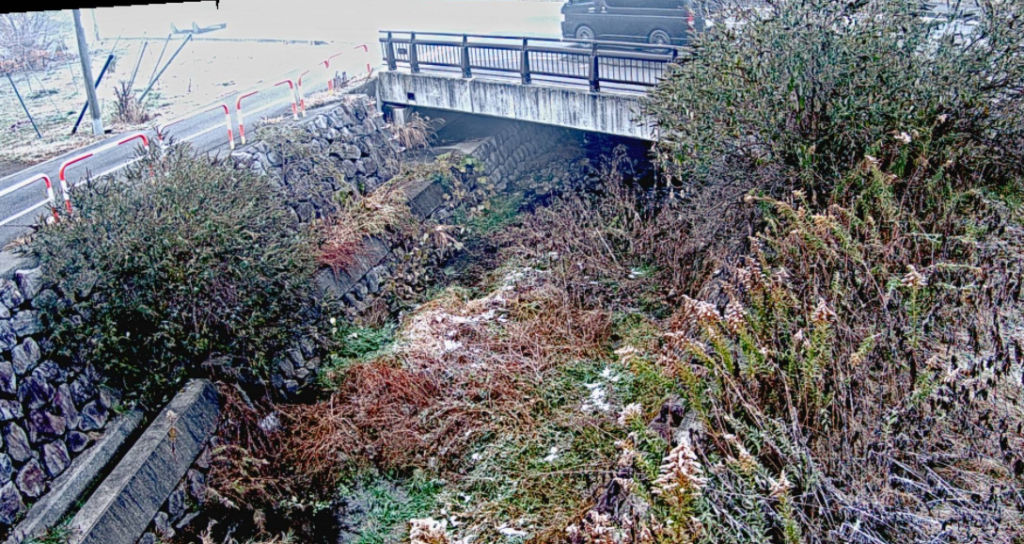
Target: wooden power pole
[90, 89]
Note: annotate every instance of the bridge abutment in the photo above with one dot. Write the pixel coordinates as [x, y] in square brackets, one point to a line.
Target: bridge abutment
[567, 107]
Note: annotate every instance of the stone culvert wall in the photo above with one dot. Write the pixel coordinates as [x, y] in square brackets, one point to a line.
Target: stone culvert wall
[529, 158]
[49, 414]
[524, 153]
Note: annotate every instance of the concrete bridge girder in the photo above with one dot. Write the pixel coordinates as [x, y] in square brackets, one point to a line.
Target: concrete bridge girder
[618, 114]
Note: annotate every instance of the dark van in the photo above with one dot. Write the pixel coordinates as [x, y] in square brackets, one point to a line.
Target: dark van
[660, 22]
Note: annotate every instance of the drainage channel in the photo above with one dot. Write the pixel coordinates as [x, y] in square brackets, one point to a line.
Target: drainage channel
[126, 476]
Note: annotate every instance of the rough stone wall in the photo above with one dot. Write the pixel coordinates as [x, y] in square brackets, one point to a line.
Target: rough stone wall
[339, 149]
[525, 157]
[48, 414]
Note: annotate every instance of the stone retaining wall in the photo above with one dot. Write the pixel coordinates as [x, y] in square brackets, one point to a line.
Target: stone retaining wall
[520, 153]
[524, 157]
[49, 414]
[339, 149]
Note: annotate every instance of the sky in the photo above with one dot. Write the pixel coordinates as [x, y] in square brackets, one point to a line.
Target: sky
[355, 21]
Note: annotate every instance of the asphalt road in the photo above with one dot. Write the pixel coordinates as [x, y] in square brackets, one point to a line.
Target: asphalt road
[206, 130]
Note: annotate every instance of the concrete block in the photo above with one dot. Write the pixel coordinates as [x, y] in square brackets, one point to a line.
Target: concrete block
[69, 487]
[126, 502]
[424, 197]
[10, 262]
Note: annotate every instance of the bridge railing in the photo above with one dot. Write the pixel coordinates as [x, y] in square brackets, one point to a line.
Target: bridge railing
[596, 62]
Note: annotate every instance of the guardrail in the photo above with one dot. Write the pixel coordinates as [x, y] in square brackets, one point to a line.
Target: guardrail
[241, 118]
[66, 189]
[161, 129]
[327, 64]
[295, 105]
[302, 96]
[596, 62]
[51, 198]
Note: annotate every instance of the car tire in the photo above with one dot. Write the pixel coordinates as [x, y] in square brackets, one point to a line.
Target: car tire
[659, 37]
[584, 32]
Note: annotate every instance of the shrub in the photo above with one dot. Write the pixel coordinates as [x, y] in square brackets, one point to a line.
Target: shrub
[799, 93]
[184, 261]
[128, 108]
[854, 173]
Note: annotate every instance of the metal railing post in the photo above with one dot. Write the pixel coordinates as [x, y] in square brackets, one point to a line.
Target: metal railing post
[467, 72]
[595, 75]
[414, 60]
[525, 63]
[390, 49]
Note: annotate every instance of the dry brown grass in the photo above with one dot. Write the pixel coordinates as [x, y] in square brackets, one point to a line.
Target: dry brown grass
[417, 131]
[129, 111]
[384, 210]
[460, 370]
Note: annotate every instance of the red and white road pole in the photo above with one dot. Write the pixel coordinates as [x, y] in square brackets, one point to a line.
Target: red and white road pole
[302, 98]
[366, 49]
[227, 123]
[241, 118]
[49, 193]
[327, 66]
[65, 188]
[295, 106]
[161, 129]
[50, 196]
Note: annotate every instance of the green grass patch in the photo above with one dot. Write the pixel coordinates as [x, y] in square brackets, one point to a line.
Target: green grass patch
[355, 344]
[498, 213]
[540, 474]
[383, 506]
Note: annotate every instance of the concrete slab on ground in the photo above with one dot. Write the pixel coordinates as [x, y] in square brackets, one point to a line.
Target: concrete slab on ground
[123, 506]
[70, 486]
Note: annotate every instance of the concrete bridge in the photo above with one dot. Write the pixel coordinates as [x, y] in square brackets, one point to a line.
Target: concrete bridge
[584, 85]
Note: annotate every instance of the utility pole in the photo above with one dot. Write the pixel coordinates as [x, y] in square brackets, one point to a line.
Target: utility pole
[90, 90]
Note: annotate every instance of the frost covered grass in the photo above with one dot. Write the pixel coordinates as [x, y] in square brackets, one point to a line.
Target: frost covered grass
[510, 393]
[813, 335]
